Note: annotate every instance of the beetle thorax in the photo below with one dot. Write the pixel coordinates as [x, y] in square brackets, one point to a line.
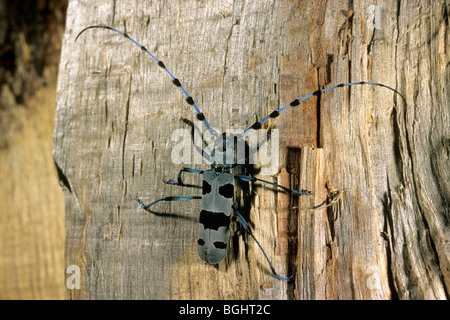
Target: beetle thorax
[227, 150]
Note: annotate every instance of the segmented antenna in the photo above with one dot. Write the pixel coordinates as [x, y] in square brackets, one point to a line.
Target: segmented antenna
[258, 124]
[175, 81]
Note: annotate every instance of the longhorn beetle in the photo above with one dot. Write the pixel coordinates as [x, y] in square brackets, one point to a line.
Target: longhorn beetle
[218, 181]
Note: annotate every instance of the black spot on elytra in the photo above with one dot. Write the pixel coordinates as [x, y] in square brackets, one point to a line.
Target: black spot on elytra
[220, 245]
[213, 220]
[206, 187]
[227, 191]
[201, 242]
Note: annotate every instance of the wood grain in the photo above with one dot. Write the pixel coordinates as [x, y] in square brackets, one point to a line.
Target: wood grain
[384, 159]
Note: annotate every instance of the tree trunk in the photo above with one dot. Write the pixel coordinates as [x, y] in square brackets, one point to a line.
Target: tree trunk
[31, 199]
[376, 225]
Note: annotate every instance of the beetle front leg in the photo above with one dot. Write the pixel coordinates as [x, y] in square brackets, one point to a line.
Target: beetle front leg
[179, 181]
[171, 198]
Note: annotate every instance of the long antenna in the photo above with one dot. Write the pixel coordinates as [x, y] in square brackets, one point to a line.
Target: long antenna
[296, 102]
[175, 81]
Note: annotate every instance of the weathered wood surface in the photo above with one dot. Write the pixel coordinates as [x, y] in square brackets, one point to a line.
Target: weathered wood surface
[381, 163]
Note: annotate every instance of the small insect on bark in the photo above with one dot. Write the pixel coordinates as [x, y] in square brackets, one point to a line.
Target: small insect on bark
[219, 181]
